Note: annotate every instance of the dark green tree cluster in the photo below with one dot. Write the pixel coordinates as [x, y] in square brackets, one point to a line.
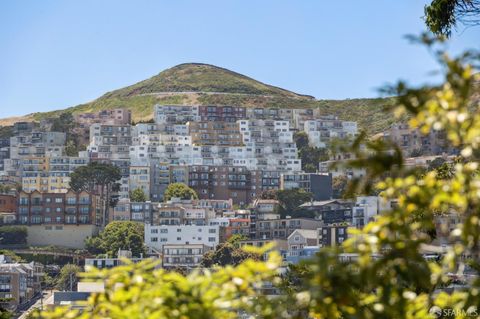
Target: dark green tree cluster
[68, 277]
[98, 178]
[66, 123]
[123, 235]
[441, 16]
[228, 253]
[310, 156]
[13, 235]
[138, 195]
[8, 188]
[290, 201]
[179, 190]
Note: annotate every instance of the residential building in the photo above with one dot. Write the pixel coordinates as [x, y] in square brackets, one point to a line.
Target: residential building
[364, 210]
[176, 212]
[298, 240]
[221, 183]
[8, 209]
[102, 263]
[139, 178]
[304, 253]
[320, 185]
[237, 226]
[108, 117]
[282, 228]
[414, 143]
[215, 133]
[269, 146]
[221, 113]
[121, 211]
[333, 234]
[156, 236]
[49, 173]
[36, 208]
[176, 114]
[323, 130]
[19, 282]
[183, 255]
[8, 203]
[330, 211]
[337, 165]
[110, 142]
[142, 211]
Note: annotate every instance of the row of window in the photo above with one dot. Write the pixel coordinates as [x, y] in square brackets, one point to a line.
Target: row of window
[179, 230]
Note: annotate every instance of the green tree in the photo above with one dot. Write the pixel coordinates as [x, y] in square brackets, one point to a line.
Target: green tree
[68, 277]
[138, 195]
[228, 253]
[441, 16]
[71, 148]
[301, 139]
[4, 313]
[13, 235]
[124, 235]
[291, 199]
[339, 186]
[179, 190]
[10, 254]
[65, 122]
[97, 178]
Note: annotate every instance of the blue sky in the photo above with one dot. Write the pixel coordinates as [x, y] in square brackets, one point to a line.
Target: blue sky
[56, 54]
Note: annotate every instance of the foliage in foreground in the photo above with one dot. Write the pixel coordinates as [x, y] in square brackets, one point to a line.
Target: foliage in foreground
[390, 278]
[147, 292]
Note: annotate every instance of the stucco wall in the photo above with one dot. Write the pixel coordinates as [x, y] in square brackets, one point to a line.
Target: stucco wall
[71, 236]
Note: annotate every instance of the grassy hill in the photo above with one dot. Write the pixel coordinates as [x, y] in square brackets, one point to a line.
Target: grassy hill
[203, 84]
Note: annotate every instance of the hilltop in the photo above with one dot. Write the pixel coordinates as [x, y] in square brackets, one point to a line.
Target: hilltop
[204, 84]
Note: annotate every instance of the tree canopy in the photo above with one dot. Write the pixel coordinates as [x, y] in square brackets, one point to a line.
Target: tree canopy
[289, 201]
[93, 176]
[13, 235]
[179, 190]
[124, 235]
[441, 16]
[68, 277]
[138, 195]
[228, 253]
[310, 156]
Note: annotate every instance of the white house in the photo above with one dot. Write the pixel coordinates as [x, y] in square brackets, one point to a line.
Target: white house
[158, 236]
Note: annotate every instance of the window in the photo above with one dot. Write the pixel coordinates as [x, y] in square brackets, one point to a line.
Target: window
[58, 200]
[154, 231]
[212, 231]
[179, 238]
[211, 239]
[164, 231]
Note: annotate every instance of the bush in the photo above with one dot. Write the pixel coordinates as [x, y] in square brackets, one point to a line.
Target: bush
[13, 235]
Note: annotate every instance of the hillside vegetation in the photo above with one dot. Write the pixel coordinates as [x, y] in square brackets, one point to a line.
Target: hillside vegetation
[203, 84]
